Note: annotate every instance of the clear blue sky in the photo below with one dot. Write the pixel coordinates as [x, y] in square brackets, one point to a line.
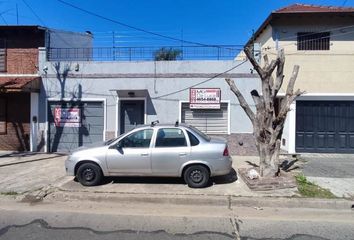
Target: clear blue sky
[206, 21]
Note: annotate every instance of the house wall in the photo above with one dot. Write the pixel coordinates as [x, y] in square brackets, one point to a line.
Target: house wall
[22, 49]
[320, 71]
[165, 84]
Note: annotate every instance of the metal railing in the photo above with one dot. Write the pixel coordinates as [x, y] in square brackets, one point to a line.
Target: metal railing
[225, 52]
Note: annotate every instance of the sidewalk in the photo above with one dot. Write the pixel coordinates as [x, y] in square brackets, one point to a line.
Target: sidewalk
[25, 172]
[229, 185]
[43, 175]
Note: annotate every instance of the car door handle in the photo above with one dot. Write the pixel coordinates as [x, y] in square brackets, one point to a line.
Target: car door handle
[144, 154]
[182, 154]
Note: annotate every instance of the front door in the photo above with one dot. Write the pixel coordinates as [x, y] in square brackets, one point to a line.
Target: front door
[131, 114]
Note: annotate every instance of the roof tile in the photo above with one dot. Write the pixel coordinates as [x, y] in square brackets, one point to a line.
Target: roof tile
[16, 82]
[303, 8]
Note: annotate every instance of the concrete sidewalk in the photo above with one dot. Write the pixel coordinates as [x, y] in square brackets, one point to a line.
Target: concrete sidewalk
[229, 185]
[25, 172]
[34, 176]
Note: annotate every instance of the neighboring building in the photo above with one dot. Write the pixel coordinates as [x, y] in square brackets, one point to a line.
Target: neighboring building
[107, 98]
[321, 40]
[20, 81]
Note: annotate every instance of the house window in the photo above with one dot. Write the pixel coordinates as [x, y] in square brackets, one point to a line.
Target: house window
[2, 116]
[313, 41]
[2, 56]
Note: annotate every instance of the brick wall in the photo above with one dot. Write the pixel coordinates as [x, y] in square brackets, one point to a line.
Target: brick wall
[17, 133]
[21, 61]
[21, 44]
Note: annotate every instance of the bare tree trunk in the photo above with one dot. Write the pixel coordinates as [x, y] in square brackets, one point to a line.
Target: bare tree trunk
[268, 120]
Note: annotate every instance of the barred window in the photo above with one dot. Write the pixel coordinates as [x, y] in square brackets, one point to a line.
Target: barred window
[313, 41]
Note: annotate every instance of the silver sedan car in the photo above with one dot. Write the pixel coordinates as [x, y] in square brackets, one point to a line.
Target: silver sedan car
[153, 150]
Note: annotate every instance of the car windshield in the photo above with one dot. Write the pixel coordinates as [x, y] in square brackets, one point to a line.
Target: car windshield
[201, 134]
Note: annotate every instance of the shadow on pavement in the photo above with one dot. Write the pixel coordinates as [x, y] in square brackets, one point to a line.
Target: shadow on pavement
[229, 178]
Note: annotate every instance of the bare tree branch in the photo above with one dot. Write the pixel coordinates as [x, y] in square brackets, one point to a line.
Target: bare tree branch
[255, 64]
[290, 88]
[241, 99]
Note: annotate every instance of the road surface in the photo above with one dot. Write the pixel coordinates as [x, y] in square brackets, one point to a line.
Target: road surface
[110, 220]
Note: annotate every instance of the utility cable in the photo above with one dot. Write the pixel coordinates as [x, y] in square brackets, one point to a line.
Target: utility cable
[133, 27]
[207, 80]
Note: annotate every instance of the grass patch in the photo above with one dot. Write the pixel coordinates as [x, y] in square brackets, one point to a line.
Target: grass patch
[10, 193]
[309, 189]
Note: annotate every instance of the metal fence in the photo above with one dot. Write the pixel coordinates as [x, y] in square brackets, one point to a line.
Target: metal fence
[225, 52]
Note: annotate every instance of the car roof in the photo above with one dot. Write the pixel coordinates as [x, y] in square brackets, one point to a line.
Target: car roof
[158, 125]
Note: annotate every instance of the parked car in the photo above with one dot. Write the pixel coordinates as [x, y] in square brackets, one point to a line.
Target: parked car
[153, 150]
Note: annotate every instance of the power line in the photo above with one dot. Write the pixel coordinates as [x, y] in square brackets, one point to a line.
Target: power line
[345, 2]
[310, 33]
[130, 26]
[33, 12]
[207, 80]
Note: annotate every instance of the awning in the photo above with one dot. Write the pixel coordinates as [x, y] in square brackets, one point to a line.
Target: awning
[20, 84]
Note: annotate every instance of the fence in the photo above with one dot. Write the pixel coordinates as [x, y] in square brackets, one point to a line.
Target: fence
[225, 52]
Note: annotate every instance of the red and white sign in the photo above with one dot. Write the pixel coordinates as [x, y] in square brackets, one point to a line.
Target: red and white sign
[204, 98]
[67, 117]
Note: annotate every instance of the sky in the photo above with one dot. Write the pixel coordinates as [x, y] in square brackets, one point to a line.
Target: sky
[216, 22]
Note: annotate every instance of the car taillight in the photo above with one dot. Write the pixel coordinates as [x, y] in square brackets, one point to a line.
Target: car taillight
[226, 152]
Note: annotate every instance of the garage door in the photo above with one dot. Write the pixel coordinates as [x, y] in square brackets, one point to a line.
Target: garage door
[207, 120]
[325, 126]
[85, 124]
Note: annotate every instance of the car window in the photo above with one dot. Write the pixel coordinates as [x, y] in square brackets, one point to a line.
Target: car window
[193, 139]
[170, 137]
[140, 139]
[201, 134]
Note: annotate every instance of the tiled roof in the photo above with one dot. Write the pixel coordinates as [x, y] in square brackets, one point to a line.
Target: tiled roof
[306, 8]
[301, 9]
[16, 82]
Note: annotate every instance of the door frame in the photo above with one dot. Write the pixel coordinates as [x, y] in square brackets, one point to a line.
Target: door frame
[118, 110]
[74, 100]
[228, 102]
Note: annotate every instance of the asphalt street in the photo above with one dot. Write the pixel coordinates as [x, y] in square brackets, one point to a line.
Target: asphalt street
[94, 220]
[329, 165]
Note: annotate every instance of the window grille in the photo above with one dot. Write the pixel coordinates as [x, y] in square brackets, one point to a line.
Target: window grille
[313, 41]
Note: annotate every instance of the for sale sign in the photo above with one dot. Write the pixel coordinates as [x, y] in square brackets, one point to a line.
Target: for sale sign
[67, 117]
[204, 98]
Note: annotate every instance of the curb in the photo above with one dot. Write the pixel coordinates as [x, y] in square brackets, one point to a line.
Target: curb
[19, 161]
[206, 200]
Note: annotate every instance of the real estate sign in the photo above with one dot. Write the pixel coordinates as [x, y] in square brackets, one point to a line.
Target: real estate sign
[67, 117]
[204, 98]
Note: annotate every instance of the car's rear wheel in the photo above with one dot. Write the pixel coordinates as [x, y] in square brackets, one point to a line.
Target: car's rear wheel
[196, 176]
[89, 174]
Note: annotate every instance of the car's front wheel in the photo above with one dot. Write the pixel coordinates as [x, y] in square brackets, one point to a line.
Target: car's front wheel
[196, 176]
[89, 174]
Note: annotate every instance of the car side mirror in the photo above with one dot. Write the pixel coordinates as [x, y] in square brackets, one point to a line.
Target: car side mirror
[119, 145]
[116, 146]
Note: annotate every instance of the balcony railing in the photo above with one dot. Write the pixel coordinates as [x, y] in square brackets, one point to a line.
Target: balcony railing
[225, 52]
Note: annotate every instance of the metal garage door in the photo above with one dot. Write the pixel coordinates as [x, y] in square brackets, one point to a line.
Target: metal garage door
[207, 120]
[325, 126]
[88, 129]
